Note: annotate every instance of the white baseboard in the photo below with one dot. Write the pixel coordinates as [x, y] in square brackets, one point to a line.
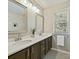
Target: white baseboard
[62, 51]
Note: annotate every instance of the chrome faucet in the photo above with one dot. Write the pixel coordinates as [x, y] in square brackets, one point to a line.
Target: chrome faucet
[18, 37]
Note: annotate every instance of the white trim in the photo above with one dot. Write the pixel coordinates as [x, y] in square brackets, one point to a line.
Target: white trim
[62, 51]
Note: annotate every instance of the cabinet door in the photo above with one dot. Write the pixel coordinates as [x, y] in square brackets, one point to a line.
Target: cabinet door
[50, 42]
[11, 57]
[38, 50]
[42, 49]
[47, 46]
[24, 54]
[18, 55]
[28, 53]
[35, 51]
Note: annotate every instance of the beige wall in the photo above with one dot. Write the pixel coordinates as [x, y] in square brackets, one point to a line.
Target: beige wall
[49, 16]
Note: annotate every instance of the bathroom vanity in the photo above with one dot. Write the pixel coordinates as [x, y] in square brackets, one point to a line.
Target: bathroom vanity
[22, 21]
[35, 49]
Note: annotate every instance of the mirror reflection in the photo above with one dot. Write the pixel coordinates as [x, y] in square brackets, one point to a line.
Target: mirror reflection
[39, 24]
[17, 18]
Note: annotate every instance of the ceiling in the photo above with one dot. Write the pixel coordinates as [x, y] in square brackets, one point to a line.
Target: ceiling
[48, 3]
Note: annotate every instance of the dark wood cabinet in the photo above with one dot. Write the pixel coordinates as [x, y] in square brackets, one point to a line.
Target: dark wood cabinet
[24, 54]
[43, 48]
[33, 52]
[39, 51]
[36, 51]
[11, 57]
[48, 44]
[19, 55]
[28, 53]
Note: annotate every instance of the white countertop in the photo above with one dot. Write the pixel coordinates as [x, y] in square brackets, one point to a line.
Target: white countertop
[14, 47]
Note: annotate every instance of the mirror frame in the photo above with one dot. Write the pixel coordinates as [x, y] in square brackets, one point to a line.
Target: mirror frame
[16, 2]
[42, 21]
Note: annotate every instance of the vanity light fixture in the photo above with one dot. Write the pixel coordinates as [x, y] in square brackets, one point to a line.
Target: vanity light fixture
[29, 5]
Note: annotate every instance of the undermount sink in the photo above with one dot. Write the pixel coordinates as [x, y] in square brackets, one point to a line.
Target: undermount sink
[20, 42]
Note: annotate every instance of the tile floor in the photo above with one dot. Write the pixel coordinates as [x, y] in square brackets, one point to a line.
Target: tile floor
[63, 48]
[56, 55]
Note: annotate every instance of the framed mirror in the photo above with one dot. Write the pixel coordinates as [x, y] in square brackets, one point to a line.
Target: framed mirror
[23, 2]
[39, 23]
[17, 17]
